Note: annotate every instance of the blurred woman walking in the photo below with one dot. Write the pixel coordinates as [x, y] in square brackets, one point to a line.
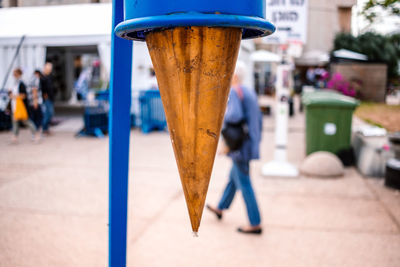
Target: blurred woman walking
[18, 96]
[242, 112]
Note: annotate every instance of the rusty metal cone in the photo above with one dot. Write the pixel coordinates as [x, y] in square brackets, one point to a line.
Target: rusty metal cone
[194, 67]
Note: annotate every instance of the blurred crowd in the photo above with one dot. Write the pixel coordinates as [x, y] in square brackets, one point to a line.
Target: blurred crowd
[31, 104]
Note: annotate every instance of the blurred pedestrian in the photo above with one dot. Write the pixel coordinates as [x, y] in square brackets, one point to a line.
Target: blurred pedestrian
[82, 84]
[242, 109]
[310, 76]
[35, 99]
[321, 76]
[48, 97]
[19, 103]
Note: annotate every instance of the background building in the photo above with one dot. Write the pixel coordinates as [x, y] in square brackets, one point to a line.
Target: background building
[324, 19]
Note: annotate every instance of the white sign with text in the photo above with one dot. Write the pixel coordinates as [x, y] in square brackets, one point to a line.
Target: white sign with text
[290, 20]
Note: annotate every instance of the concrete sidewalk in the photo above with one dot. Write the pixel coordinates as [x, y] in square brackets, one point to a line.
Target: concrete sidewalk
[54, 209]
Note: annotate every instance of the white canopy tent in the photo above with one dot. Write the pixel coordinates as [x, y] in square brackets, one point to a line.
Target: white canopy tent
[265, 56]
[313, 57]
[348, 54]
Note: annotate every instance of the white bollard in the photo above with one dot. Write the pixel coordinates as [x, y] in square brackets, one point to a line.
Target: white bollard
[279, 166]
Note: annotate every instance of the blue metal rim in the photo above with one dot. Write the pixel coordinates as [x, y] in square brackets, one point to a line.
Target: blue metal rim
[136, 29]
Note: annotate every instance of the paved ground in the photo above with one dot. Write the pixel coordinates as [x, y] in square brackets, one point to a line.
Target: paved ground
[53, 209]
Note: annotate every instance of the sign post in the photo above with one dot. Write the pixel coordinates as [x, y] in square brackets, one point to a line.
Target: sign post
[279, 166]
[120, 103]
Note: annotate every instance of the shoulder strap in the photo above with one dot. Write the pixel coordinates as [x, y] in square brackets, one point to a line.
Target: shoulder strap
[239, 92]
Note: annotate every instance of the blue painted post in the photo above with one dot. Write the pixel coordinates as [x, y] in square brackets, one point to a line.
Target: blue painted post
[120, 103]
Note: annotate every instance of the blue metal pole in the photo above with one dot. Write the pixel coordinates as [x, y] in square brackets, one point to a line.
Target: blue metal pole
[120, 102]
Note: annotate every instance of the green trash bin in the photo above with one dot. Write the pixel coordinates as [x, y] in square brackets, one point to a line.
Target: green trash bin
[328, 121]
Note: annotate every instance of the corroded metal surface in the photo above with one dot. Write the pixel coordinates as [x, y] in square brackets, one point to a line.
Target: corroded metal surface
[194, 67]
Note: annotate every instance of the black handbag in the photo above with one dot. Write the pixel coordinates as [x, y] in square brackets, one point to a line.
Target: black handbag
[235, 134]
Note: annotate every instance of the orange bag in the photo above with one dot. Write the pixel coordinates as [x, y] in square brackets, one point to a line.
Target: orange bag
[20, 113]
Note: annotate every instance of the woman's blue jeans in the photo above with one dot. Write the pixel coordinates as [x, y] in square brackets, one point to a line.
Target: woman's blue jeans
[239, 178]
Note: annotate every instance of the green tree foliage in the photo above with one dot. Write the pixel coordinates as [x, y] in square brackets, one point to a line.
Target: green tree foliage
[372, 7]
[378, 48]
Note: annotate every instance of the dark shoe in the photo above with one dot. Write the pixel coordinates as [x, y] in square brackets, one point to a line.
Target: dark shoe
[254, 231]
[216, 212]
